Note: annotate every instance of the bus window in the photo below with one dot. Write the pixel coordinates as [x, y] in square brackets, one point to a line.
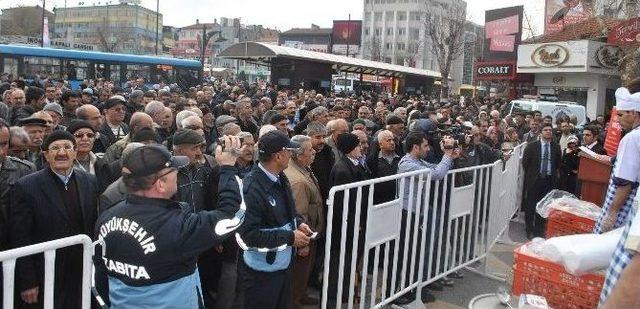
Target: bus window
[186, 78]
[115, 74]
[164, 74]
[139, 71]
[11, 66]
[77, 69]
[39, 65]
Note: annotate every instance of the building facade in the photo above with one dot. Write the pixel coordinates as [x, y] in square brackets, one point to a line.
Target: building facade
[25, 21]
[393, 31]
[122, 28]
[169, 38]
[583, 71]
[226, 32]
[313, 39]
[189, 42]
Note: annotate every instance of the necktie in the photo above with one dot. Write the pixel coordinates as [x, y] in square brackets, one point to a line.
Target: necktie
[545, 160]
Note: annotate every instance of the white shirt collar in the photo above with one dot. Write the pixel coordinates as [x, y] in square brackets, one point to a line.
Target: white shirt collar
[271, 176]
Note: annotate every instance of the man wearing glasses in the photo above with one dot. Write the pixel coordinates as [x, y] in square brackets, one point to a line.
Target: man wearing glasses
[114, 113]
[53, 203]
[86, 160]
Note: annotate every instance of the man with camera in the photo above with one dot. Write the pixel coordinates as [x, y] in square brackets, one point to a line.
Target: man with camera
[417, 145]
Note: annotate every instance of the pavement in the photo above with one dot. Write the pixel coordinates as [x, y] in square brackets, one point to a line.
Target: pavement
[499, 262]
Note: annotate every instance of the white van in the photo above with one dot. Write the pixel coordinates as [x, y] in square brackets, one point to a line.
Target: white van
[549, 108]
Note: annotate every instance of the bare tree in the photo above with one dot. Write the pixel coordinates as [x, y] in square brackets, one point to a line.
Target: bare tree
[413, 53]
[444, 29]
[529, 28]
[375, 48]
[110, 37]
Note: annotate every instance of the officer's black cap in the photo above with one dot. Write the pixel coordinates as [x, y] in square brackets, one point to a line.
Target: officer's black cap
[188, 137]
[274, 142]
[151, 159]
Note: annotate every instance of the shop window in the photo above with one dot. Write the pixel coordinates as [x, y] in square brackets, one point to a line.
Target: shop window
[11, 66]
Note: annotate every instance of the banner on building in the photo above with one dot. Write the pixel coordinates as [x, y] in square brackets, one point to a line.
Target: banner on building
[495, 70]
[45, 33]
[503, 33]
[626, 33]
[346, 32]
[561, 13]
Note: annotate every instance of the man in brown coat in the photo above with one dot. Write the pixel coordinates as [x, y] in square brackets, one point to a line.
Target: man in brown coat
[309, 204]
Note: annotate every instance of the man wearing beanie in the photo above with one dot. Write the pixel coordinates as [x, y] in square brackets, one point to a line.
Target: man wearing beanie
[53, 203]
[347, 169]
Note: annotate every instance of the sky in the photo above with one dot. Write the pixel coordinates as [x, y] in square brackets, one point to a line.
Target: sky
[280, 14]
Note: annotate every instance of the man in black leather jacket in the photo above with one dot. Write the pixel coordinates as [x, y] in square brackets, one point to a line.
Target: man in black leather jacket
[11, 169]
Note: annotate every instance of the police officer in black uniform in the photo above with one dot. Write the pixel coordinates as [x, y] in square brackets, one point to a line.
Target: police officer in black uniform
[272, 228]
[152, 242]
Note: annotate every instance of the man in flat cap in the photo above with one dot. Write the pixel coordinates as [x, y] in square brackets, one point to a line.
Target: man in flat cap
[35, 128]
[55, 202]
[135, 104]
[193, 179]
[198, 188]
[114, 127]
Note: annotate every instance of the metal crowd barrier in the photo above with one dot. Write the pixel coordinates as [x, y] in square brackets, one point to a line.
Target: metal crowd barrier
[8, 259]
[378, 251]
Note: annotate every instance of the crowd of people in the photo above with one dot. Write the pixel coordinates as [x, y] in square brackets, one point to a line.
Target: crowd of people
[164, 176]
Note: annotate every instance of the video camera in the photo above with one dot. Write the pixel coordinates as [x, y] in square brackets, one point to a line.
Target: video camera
[457, 132]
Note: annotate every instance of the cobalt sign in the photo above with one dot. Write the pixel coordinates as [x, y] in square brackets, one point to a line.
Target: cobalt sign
[494, 70]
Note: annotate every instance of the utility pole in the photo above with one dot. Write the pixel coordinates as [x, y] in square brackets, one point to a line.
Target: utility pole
[157, 23]
[204, 42]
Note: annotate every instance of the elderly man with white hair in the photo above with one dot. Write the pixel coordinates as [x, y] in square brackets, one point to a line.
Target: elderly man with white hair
[310, 205]
[182, 115]
[384, 163]
[193, 123]
[319, 114]
[334, 129]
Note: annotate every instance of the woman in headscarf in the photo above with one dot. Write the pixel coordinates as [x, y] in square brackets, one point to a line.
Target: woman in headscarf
[569, 166]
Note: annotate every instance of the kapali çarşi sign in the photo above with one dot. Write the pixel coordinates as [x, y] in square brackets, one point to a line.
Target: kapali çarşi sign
[494, 70]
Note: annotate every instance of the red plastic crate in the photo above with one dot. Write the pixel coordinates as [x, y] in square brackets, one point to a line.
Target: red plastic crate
[560, 223]
[533, 275]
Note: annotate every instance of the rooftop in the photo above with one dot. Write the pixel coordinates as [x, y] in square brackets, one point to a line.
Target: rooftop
[308, 31]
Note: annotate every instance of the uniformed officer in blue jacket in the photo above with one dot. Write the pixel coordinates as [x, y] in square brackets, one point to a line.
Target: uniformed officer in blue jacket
[272, 229]
[152, 243]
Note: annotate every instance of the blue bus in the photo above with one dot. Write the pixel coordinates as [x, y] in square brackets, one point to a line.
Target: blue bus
[76, 66]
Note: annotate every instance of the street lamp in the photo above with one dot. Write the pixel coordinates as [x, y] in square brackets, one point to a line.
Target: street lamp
[206, 36]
